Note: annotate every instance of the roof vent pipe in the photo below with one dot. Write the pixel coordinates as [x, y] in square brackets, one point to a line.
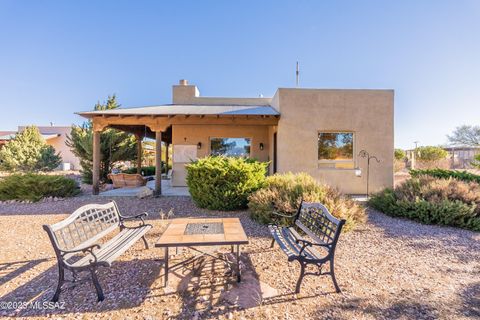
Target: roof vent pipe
[183, 82]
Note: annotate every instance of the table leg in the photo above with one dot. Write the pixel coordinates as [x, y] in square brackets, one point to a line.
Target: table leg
[238, 264]
[166, 266]
[231, 249]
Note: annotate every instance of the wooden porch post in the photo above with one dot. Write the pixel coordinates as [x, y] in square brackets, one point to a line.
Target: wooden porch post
[139, 154]
[158, 163]
[167, 146]
[96, 162]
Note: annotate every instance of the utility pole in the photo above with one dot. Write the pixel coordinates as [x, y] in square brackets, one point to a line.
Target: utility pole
[297, 73]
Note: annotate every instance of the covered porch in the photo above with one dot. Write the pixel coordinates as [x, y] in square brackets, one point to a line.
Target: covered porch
[184, 126]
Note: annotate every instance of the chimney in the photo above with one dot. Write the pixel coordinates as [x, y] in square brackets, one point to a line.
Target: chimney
[184, 93]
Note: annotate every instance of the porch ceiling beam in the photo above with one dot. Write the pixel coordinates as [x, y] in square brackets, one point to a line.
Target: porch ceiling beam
[164, 122]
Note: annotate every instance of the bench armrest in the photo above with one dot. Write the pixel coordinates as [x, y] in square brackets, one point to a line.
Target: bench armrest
[84, 249]
[136, 217]
[88, 249]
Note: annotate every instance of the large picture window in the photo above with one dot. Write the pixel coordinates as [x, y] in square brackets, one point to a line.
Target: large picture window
[335, 150]
[230, 147]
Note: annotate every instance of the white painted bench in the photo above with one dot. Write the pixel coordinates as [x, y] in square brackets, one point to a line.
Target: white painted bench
[76, 241]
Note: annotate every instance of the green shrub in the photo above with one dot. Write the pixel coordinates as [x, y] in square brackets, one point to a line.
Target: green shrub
[146, 171]
[283, 193]
[445, 174]
[433, 201]
[34, 187]
[476, 161]
[430, 153]
[29, 152]
[224, 183]
[399, 154]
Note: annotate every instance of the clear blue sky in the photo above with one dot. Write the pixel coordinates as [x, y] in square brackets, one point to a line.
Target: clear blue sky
[58, 57]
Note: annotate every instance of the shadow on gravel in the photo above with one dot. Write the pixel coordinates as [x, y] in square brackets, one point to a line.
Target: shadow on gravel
[471, 300]
[360, 308]
[126, 284]
[11, 270]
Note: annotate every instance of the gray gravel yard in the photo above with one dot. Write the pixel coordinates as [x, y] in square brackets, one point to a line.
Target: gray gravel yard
[387, 268]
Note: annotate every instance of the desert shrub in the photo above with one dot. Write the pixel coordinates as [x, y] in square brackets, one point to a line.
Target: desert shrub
[29, 152]
[224, 183]
[433, 200]
[434, 164]
[445, 174]
[283, 193]
[476, 161]
[430, 153]
[399, 154]
[34, 187]
[399, 165]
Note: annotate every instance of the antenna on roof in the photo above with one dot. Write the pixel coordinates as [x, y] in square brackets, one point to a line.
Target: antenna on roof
[297, 73]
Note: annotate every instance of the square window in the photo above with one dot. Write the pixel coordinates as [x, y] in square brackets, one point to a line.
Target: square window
[230, 147]
[335, 150]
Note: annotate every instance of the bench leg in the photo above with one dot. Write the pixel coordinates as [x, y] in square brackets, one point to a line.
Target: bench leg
[61, 279]
[302, 274]
[98, 288]
[273, 243]
[332, 273]
[145, 242]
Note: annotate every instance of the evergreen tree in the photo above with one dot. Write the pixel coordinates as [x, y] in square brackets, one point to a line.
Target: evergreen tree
[115, 145]
[28, 152]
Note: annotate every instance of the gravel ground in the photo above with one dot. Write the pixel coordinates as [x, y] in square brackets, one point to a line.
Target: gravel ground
[387, 268]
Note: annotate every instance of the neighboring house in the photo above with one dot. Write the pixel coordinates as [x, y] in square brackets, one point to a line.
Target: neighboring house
[462, 157]
[55, 136]
[318, 131]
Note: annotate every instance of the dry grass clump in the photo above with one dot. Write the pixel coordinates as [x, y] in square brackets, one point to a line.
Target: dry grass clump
[283, 193]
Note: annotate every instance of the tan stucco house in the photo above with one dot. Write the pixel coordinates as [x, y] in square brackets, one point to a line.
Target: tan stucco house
[55, 136]
[318, 131]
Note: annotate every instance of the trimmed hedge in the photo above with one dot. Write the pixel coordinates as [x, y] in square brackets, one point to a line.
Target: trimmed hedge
[432, 200]
[283, 193]
[34, 187]
[224, 183]
[445, 174]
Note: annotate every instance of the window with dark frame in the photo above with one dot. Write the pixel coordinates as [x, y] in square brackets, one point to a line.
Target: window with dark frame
[335, 150]
[230, 147]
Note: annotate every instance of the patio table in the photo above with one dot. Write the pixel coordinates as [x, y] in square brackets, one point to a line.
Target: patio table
[190, 233]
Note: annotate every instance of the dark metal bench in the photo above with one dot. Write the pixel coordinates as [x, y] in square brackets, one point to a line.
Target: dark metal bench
[75, 241]
[323, 230]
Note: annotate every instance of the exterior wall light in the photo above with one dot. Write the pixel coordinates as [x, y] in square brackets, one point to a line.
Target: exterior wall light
[358, 172]
[261, 146]
[199, 145]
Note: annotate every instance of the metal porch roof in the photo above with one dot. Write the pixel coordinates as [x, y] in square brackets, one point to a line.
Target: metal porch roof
[176, 109]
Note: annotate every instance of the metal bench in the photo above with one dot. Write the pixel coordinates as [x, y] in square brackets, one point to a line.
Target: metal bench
[75, 241]
[323, 230]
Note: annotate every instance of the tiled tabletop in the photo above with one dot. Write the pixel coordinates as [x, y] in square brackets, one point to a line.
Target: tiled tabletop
[174, 235]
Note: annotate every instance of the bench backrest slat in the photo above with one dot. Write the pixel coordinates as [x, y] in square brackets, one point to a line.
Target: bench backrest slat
[316, 221]
[85, 225]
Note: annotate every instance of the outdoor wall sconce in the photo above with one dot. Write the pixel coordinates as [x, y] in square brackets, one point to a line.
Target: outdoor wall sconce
[358, 172]
[365, 154]
[199, 145]
[261, 146]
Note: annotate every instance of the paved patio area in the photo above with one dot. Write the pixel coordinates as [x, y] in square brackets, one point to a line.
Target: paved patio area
[167, 190]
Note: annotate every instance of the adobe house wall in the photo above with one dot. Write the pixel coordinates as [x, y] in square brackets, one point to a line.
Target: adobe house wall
[367, 113]
[193, 134]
